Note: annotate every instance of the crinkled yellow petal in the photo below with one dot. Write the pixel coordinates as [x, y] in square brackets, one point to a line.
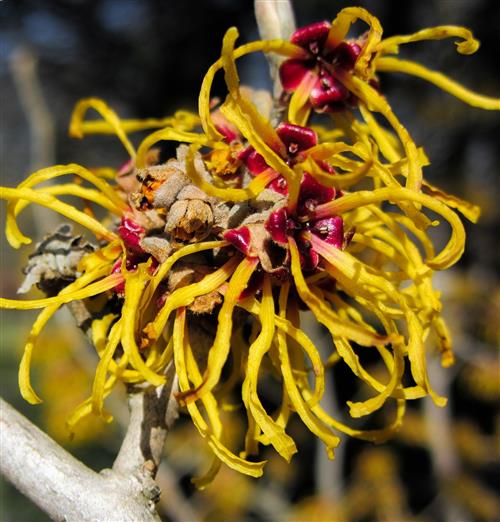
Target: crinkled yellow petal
[375, 101]
[377, 436]
[242, 114]
[12, 232]
[24, 369]
[168, 134]
[71, 189]
[85, 408]
[449, 254]
[185, 295]
[24, 380]
[276, 435]
[335, 325]
[165, 357]
[467, 209]
[346, 310]
[230, 72]
[400, 168]
[327, 317]
[355, 277]
[327, 150]
[100, 333]
[259, 125]
[93, 289]
[381, 136]
[219, 351]
[134, 286]
[181, 120]
[300, 337]
[187, 250]
[253, 469]
[339, 181]
[212, 410]
[56, 171]
[298, 109]
[253, 189]
[330, 440]
[389, 64]
[362, 408]
[98, 387]
[109, 115]
[281, 47]
[340, 27]
[389, 252]
[105, 256]
[469, 45]
[385, 177]
[421, 235]
[99, 330]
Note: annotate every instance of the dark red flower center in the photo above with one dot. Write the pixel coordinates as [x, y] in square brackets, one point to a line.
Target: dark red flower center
[131, 234]
[282, 224]
[296, 139]
[325, 62]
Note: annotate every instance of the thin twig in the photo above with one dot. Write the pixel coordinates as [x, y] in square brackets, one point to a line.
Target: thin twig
[152, 412]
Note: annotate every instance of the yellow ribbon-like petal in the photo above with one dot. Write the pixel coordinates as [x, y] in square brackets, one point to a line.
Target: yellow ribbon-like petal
[254, 469]
[283, 444]
[469, 45]
[76, 129]
[389, 64]
[219, 351]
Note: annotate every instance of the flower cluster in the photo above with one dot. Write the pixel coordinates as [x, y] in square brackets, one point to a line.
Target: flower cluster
[210, 259]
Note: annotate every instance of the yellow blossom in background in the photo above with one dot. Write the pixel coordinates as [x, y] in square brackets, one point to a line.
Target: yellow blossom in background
[210, 259]
[59, 368]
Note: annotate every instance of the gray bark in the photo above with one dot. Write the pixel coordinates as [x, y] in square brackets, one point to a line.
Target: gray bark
[66, 489]
[61, 485]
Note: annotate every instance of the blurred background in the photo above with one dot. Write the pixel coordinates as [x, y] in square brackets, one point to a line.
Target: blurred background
[147, 58]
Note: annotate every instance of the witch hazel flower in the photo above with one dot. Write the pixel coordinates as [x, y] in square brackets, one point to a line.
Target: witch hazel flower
[131, 233]
[196, 239]
[295, 141]
[314, 76]
[285, 223]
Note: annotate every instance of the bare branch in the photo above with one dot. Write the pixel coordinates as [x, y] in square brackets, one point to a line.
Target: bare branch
[59, 484]
[152, 412]
[275, 20]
